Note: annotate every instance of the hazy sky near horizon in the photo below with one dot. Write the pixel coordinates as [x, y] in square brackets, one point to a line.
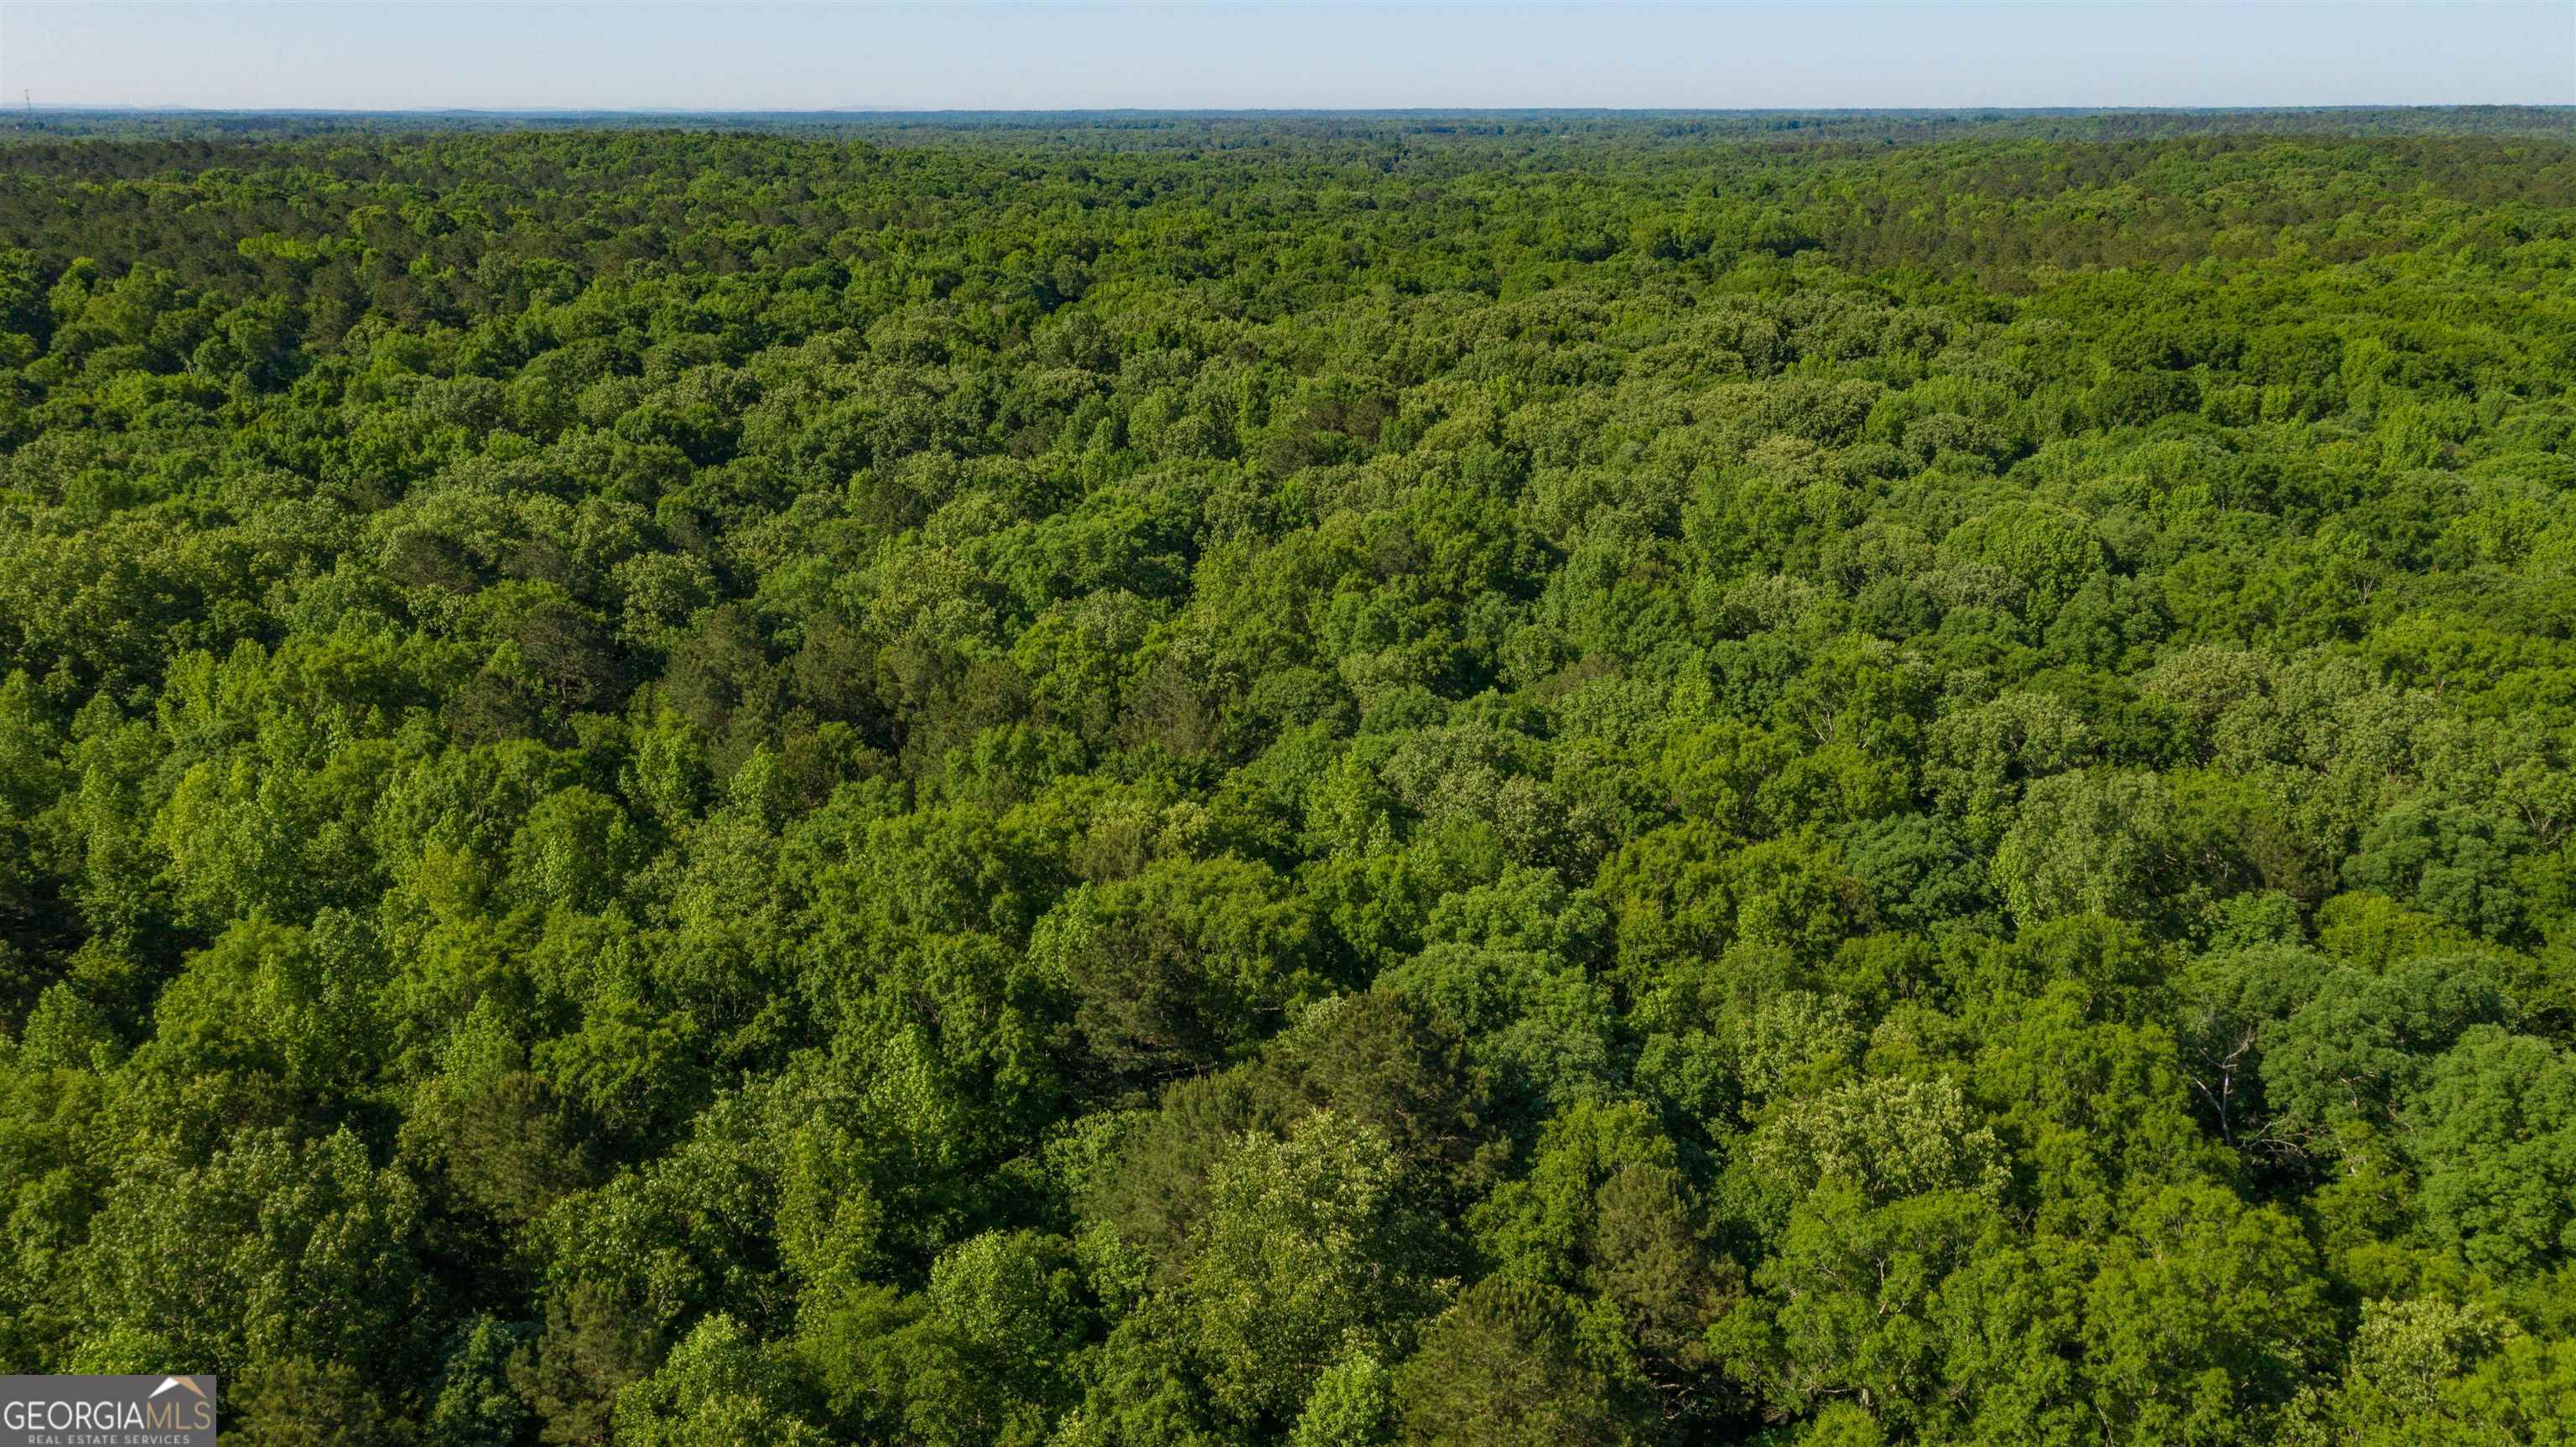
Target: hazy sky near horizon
[1260, 54]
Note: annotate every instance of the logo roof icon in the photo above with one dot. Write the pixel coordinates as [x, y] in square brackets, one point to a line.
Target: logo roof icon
[190, 1383]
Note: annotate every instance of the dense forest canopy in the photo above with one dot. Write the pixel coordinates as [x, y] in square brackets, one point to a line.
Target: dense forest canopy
[1490, 780]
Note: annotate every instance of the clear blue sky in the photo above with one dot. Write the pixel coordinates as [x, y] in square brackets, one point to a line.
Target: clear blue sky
[1048, 54]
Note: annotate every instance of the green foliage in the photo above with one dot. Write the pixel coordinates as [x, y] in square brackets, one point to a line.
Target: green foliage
[1032, 782]
[1507, 1367]
[1305, 1251]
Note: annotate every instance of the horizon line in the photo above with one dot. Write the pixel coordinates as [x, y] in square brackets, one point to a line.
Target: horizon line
[2286, 108]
